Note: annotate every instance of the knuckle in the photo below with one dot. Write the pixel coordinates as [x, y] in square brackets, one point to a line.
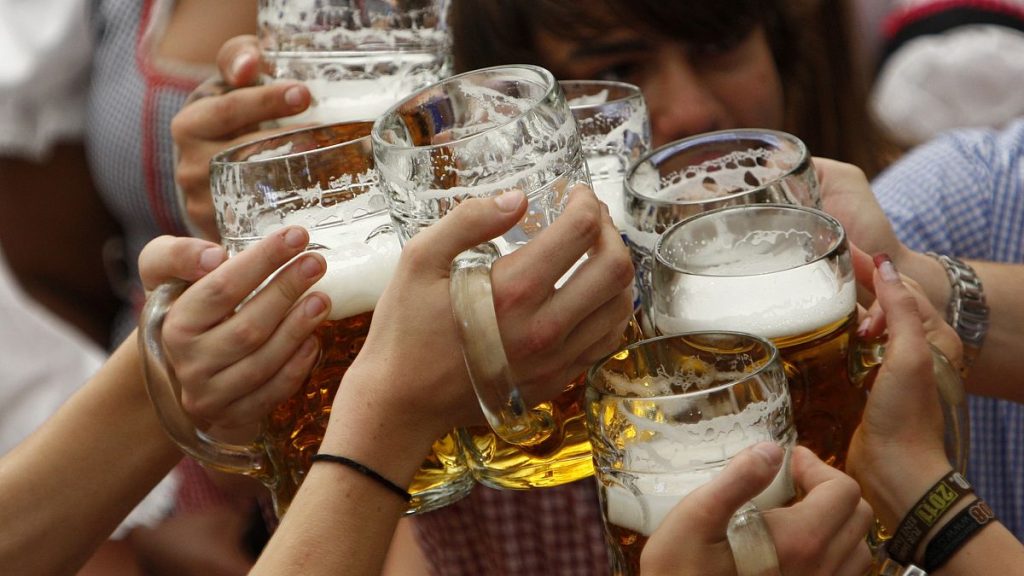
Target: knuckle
[543, 334]
[510, 296]
[586, 224]
[245, 334]
[198, 406]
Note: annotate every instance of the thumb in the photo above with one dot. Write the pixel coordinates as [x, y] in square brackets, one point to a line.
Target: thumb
[472, 222]
[705, 512]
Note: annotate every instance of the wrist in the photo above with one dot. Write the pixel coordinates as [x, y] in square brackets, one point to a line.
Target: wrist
[367, 426]
[929, 275]
[893, 492]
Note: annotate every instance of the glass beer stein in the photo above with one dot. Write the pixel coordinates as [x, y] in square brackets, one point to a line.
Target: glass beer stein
[479, 134]
[323, 179]
[356, 58]
[784, 273]
[615, 131]
[707, 171]
[665, 417]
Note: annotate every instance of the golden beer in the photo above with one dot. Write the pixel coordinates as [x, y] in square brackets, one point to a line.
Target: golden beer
[782, 273]
[360, 262]
[296, 427]
[562, 457]
[667, 415]
[828, 401]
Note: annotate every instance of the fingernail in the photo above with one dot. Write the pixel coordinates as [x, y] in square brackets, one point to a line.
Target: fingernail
[293, 96]
[310, 266]
[886, 268]
[771, 452]
[862, 330]
[509, 200]
[241, 61]
[314, 306]
[295, 238]
[211, 258]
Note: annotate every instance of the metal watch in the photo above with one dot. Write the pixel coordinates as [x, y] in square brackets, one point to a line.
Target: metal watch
[967, 311]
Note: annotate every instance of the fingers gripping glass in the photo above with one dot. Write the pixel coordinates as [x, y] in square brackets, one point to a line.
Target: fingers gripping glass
[666, 415]
[479, 134]
[323, 179]
[785, 273]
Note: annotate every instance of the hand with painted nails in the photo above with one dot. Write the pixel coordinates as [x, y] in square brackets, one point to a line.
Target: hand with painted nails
[236, 362]
[821, 534]
[898, 447]
[222, 112]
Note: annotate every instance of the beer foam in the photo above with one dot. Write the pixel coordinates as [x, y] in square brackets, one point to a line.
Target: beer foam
[599, 97]
[295, 25]
[734, 172]
[350, 86]
[651, 497]
[787, 303]
[361, 259]
[609, 191]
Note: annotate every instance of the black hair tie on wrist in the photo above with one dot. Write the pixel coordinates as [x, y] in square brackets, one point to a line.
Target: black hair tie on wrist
[366, 471]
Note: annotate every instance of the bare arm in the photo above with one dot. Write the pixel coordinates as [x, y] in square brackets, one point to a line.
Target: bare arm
[847, 195]
[72, 482]
[897, 452]
[408, 385]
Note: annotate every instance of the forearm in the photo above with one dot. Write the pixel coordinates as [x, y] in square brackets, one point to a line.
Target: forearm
[1003, 350]
[341, 521]
[71, 483]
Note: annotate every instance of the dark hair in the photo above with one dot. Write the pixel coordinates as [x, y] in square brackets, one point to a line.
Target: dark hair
[825, 92]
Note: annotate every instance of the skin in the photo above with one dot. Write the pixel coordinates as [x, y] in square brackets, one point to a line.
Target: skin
[692, 538]
[846, 194]
[689, 89]
[116, 459]
[902, 426]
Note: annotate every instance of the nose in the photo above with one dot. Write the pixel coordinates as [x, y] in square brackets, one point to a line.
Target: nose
[679, 101]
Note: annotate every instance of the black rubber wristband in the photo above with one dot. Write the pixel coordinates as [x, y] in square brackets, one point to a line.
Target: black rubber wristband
[923, 515]
[366, 471]
[957, 532]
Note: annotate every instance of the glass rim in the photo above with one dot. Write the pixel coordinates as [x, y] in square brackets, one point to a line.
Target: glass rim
[662, 153]
[222, 158]
[632, 92]
[833, 247]
[774, 357]
[543, 73]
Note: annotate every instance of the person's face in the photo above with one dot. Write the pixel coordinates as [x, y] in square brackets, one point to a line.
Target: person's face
[689, 89]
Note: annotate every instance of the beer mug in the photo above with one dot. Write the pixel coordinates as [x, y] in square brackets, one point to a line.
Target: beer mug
[707, 171]
[785, 273]
[479, 134]
[357, 58]
[665, 417]
[323, 179]
[615, 131]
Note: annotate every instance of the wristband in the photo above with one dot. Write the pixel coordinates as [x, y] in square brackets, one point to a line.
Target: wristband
[957, 532]
[923, 515]
[365, 471]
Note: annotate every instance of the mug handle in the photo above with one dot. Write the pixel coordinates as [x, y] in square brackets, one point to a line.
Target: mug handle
[489, 371]
[753, 549]
[165, 392]
[952, 397]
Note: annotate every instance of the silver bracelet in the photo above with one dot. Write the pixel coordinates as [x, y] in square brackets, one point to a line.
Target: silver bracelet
[967, 311]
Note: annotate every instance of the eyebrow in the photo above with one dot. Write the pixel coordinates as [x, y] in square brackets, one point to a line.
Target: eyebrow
[611, 48]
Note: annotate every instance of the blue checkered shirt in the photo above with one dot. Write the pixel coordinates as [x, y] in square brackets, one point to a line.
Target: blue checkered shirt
[963, 195]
